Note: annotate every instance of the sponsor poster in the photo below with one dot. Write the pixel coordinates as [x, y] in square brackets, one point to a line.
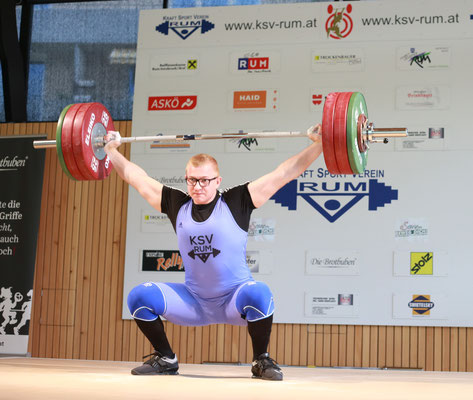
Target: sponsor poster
[332, 263]
[323, 305]
[421, 306]
[426, 263]
[21, 180]
[402, 225]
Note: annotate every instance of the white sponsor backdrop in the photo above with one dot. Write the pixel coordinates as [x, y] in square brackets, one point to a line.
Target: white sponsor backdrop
[334, 249]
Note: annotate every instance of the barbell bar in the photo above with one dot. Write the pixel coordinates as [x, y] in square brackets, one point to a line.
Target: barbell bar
[347, 134]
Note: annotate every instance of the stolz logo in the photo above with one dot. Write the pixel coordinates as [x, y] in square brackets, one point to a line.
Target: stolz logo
[171, 103]
[185, 28]
[333, 199]
[339, 24]
[422, 263]
[253, 63]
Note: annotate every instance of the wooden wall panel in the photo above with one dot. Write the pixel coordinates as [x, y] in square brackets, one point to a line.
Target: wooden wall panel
[77, 301]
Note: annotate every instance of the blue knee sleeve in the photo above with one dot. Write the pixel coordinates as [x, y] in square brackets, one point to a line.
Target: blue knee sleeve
[255, 301]
[146, 302]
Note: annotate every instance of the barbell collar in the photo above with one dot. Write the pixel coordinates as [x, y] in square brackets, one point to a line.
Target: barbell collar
[44, 144]
[389, 132]
[380, 135]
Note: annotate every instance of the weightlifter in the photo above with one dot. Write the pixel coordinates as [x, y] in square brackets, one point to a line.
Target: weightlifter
[212, 229]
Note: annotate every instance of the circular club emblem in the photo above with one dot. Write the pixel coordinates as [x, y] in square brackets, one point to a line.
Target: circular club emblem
[339, 24]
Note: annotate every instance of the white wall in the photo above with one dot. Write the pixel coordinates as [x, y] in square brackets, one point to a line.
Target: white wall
[349, 265]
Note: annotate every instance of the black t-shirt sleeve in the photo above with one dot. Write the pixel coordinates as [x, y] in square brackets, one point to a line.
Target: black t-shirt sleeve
[171, 201]
[239, 202]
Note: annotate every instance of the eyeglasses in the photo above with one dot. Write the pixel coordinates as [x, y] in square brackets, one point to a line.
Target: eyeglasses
[203, 182]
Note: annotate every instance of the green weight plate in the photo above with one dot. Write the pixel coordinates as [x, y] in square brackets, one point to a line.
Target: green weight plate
[356, 107]
[58, 142]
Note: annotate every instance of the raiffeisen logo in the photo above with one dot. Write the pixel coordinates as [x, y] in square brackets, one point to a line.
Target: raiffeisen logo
[339, 24]
[183, 25]
[334, 197]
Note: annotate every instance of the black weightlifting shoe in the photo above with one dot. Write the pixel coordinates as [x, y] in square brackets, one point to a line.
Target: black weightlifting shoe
[157, 365]
[266, 368]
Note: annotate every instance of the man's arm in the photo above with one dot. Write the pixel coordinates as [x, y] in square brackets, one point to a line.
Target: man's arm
[263, 188]
[149, 188]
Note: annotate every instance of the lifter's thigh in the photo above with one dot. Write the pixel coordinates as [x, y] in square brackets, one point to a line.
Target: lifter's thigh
[171, 300]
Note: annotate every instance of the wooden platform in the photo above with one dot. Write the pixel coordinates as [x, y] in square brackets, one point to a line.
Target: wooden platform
[38, 379]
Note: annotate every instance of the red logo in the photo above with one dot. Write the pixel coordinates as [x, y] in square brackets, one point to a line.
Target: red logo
[171, 103]
[251, 63]
[317, 99]
[339, 24]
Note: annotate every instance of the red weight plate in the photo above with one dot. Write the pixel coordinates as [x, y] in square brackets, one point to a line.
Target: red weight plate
[91, 119]
[327, 133]
[66, 143]
[340, 132]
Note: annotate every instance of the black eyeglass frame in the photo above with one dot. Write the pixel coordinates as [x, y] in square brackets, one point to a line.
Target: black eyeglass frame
[203, 182]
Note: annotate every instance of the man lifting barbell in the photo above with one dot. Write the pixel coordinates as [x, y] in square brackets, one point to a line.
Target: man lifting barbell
[211, 226]
[212, 230]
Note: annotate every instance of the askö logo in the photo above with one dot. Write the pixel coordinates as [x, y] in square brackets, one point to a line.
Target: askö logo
[333, 199]
[185, 28]
[339, 24]
[172, 103]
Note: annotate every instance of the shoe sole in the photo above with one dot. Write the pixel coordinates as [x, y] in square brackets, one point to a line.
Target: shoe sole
[157, 373]
[276, 378]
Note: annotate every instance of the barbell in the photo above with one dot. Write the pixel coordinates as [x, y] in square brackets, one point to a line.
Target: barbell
[346, 129]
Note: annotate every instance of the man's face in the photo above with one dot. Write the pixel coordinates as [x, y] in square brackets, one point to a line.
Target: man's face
[203, 194]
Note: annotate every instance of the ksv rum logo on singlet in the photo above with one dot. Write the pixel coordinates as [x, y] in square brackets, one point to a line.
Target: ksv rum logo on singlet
[202, 247]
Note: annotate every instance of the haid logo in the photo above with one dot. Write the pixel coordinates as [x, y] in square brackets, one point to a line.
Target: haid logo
[249, 99]
[339, 24]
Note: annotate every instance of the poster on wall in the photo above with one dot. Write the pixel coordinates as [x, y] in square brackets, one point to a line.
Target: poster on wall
[21, 181]
[344, 249]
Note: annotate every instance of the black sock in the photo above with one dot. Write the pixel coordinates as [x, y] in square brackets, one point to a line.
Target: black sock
[154, 331]
[260, 332]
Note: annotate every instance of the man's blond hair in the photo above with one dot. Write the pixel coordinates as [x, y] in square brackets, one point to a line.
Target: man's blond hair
[201, 159]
